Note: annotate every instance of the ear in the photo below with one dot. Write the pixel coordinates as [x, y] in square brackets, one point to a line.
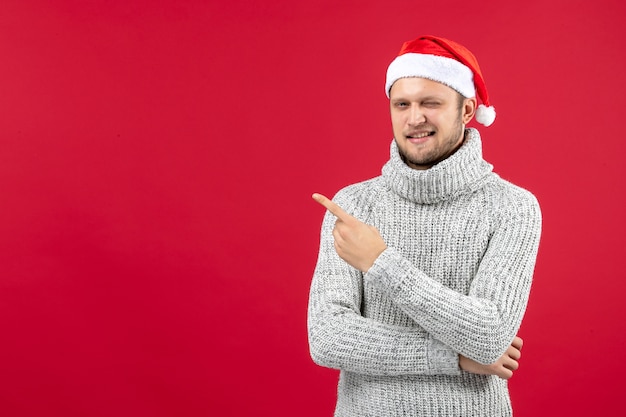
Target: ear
[469, 109]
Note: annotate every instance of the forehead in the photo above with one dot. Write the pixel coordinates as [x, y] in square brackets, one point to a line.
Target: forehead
[412, 87]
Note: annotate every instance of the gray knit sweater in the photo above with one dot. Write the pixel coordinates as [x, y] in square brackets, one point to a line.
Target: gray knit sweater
[455, 279]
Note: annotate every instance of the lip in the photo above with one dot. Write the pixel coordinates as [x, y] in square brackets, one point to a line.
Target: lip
[410, 137]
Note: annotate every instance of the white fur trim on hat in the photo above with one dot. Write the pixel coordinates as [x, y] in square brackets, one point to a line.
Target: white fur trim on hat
[445, 70]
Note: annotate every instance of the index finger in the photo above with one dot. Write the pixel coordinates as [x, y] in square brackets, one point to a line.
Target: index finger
[331, 206]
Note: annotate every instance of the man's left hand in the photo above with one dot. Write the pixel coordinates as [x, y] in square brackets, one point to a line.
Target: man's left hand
[503, 367]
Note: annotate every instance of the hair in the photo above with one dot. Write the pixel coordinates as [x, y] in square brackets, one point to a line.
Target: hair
[460, 101]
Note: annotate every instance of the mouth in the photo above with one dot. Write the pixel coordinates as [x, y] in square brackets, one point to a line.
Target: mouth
[419, 137]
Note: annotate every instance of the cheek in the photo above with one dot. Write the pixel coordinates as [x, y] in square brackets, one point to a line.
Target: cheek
[398, 132]
[444, 120]
[398, 121]
[434, 116]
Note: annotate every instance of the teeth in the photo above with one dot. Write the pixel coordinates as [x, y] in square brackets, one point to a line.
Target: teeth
[421, 135]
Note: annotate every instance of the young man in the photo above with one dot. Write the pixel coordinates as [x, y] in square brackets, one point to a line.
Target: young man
[424, 272]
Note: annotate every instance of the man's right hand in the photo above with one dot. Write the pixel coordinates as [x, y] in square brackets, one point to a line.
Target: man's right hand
[503, 367]
[357, 243]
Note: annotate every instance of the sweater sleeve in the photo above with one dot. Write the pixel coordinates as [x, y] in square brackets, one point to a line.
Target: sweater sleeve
[341, 338]
[481, 324]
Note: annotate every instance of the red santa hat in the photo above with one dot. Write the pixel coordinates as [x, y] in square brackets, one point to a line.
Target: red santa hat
[447, 62]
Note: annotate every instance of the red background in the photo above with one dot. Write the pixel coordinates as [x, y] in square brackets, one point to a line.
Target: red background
[157, 236]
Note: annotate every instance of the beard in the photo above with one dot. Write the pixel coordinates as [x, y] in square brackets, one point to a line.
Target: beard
[449, 145]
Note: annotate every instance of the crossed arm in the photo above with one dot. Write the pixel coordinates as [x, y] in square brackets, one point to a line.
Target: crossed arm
[360, 245]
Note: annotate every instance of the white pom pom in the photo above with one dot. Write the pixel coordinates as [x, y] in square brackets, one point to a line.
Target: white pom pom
[485, 115]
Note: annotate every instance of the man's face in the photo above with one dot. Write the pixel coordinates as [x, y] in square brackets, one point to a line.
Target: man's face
[428, 120]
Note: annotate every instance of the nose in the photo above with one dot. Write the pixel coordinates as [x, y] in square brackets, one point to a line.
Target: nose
[416, 116]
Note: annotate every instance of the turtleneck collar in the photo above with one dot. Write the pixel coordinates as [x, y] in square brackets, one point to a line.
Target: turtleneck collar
[463, 172]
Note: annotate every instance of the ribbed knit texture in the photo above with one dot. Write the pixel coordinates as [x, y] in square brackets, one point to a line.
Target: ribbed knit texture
[455, 278]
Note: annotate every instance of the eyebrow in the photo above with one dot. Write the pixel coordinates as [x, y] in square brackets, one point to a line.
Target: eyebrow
[426, 98]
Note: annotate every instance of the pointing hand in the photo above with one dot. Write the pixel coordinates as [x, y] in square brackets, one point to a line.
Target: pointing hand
[357, 243]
